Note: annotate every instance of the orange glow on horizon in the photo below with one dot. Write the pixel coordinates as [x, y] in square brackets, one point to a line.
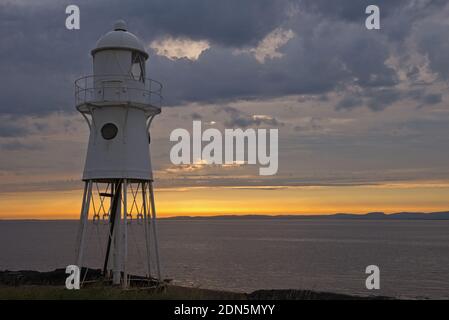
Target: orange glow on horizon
[244, 200]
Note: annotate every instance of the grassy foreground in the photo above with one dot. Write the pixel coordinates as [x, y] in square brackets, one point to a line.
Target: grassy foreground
[34, 285]
[170, 292]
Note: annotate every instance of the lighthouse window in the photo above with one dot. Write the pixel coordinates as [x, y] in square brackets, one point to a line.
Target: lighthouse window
[138, 67]
[109, 131]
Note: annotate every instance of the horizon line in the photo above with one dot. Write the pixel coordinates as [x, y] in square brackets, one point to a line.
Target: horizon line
[255, 215]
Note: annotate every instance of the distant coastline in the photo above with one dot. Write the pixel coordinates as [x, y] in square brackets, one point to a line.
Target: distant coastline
[340, 216]
[442, 215]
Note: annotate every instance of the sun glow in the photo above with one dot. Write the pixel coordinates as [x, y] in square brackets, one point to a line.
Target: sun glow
[269, 200]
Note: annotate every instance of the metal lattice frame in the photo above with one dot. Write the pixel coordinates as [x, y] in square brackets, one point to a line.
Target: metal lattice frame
[131, 202]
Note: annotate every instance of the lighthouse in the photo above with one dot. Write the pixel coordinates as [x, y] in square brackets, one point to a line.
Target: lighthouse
[118, 102]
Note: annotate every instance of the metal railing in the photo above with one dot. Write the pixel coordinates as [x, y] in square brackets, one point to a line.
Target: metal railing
[94, 89]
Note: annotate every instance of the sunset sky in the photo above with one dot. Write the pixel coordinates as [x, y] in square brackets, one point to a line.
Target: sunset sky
[363, 115]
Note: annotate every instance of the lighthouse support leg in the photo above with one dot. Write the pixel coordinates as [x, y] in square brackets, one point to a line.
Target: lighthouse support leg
[146, 221]
[117, 237]
[114, 234]
[125, 234]
[80, 225]
[83, 222]
[153, 218]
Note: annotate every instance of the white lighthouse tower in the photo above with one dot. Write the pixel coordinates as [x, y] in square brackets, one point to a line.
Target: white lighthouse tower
[119, 102]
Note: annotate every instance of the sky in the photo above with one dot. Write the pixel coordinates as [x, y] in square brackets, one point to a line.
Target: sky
[362, 115]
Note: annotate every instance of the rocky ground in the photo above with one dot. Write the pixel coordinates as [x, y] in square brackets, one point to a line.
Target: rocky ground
[51, 285]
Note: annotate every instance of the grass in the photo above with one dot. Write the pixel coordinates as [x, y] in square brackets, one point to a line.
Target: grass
[169, 292]
[31, 292]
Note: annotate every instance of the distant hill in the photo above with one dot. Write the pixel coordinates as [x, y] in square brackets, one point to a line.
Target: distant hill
[340, 216]
[395, 216]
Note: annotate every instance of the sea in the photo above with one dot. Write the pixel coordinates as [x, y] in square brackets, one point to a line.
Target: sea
[245, 255]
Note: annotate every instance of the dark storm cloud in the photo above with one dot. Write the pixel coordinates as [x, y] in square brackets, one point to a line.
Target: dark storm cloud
[246, 121]
[237, 118]
[431, 99]
[15, 126]
[230, 23]
[315, 61]
[432, 39]
[8, 129]
[378, 99]
[394, 14]
[349, 102]
[40, 58]
[16, 145]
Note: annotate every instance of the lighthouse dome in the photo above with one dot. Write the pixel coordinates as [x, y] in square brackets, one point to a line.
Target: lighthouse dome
[120, 38]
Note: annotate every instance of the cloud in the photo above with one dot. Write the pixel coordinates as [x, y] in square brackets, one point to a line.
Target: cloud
[349, 102]
[42, 58]
[299, 47]
[431, 39]
[240, 119]
[17, 145]
[10, 129]
[268, 47]
[378, 99]
[433, 98]
[321, 125]
[300, 64]
[179, 48]
[351, 11]
[202, 166]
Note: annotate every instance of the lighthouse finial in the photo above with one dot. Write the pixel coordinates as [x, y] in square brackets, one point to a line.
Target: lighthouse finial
[120, 25]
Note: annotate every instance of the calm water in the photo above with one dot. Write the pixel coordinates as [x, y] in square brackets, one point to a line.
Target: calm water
[246, 255]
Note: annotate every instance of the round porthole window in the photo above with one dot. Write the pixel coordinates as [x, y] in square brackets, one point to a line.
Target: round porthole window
[109, 131]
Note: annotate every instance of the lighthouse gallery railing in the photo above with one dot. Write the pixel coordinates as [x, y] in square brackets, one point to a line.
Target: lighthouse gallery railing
[97, 88]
